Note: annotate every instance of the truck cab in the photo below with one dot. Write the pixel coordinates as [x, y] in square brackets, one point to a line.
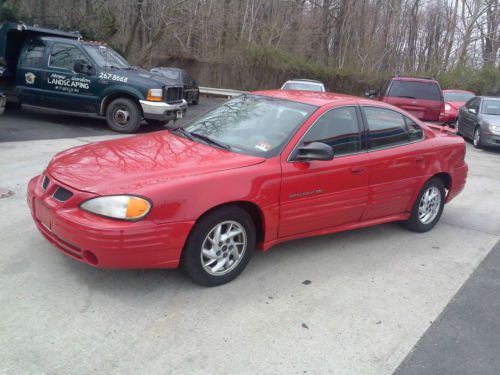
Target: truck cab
[58, 70]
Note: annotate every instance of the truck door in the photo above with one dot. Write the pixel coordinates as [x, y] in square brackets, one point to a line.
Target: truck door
[62, 87]
[29, 72]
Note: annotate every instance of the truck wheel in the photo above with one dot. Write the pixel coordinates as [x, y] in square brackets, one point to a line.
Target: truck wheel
[156, 123]
[12, 105]
[124, 115]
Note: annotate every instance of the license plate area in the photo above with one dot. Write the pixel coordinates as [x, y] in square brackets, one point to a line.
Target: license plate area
[43, 214]
[179, 115]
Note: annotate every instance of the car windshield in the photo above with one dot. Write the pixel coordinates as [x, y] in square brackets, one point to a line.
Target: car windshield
[251, 124]
[491, 107]
[302, 86]
[106, 57]
[415, 90]
[457, 96]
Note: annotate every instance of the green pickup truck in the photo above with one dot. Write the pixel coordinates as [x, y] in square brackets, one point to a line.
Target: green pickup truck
[58, 70]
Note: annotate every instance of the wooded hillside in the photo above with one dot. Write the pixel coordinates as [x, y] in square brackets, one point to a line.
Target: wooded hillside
[351, 45]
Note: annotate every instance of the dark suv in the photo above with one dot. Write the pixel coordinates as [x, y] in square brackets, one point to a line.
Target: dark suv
[421, 97]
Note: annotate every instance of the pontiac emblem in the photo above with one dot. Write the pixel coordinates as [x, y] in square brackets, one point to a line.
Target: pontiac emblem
[30, 78]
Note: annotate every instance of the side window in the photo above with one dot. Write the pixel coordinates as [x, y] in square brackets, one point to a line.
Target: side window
[337, 128]
[33, 55]
[64, 56]
[415, 132]
[386, 127]
[473, 104]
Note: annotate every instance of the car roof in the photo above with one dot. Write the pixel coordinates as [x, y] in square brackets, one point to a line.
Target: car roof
[414, 79]
[319, 98]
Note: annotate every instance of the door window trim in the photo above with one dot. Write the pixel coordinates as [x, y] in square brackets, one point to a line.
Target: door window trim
[65, 44]
[367, 129]
[360, 129]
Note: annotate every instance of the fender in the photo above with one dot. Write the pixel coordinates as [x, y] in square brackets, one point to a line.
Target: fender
[115, 91]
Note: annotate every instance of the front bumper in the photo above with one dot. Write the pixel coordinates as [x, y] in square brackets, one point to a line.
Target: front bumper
[102, 242]
[161, 110]
[490, 139]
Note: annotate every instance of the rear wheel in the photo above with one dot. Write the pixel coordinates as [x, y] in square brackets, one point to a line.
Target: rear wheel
[477, 141]
[219, 246]
[124, 115]
[428, 206]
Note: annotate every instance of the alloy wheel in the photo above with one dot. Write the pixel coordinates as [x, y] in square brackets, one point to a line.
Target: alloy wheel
[429, 205]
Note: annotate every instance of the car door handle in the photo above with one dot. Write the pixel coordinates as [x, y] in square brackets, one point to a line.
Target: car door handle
[358, 170]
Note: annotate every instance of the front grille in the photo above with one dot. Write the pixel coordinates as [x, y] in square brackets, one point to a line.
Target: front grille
[45, 183]
[62, 194]
[173, 94]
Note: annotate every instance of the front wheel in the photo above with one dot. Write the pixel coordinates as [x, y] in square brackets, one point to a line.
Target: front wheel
[124, 115]
[428, 207]
[219, 246]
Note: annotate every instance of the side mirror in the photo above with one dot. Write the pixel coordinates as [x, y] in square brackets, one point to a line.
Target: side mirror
[83, 67]
[472, 110]
[314, 151]
[371, 94]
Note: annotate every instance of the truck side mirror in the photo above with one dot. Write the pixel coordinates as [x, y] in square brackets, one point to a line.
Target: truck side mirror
[82, 67]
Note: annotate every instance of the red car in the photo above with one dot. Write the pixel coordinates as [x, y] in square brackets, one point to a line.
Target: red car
[454, 99]
[260, 169]
[422, 97]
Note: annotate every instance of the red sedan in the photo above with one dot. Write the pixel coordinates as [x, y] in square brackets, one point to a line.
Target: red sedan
[453, 100]
[258, 170]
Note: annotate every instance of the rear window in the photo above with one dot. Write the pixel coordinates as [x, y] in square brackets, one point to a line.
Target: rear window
[415, 90]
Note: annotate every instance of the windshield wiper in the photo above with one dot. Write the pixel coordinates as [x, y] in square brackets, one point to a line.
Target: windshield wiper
[210, 140]
[182, 132]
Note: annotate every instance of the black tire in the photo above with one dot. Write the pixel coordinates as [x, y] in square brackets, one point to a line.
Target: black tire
[414, 223]
[12, 106]
[124, 116]
[191, 259]
[477, 143]
[156, 123]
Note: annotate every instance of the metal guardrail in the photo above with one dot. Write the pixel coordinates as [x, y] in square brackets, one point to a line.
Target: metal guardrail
[212, 91]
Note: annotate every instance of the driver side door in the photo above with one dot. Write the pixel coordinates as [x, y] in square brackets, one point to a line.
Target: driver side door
[469, 119]
[323, 194]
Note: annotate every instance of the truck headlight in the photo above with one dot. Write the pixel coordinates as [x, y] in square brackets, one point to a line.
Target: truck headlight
[154, 95]
[495, 128]
[123, 207]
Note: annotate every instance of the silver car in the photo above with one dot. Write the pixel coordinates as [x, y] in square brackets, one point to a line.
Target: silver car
[479, 120]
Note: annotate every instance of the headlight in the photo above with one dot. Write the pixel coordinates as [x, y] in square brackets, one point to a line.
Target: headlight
[154, 95]
[124, 207]
[495, 129]
[447, 107]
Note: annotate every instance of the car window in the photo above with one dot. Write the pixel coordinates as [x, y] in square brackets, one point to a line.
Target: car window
[415, 132]
[33, 56]
[490, 107]
[64, 56]
[415, 90]
[386, 127]
[337, 128]
[302, 86]
[473, 104]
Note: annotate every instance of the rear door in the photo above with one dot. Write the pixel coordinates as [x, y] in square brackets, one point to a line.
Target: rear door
[324, 194]
[397, 161]
[62, 87]
[422, 99]
[30, 70]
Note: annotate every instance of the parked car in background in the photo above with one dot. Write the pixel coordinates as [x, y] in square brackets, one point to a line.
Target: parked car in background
[453, 100]
[2, 103]
[181, 77]
[479, 120]
[303, 85]
[273, 166]
[57, 70]
[421, 97]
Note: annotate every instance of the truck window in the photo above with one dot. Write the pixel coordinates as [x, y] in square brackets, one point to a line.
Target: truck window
[33, 56]
[64, 56]
[415, 90]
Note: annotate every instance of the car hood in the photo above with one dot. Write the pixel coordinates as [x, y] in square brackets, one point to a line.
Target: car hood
[491, 119]
[140, 76]
[118, 166]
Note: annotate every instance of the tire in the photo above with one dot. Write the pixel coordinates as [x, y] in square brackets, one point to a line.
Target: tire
[477, 141]
[124, 116]
[420, 223]
[458, 128]
[12, 106]
[156, 123]
[202, 269]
